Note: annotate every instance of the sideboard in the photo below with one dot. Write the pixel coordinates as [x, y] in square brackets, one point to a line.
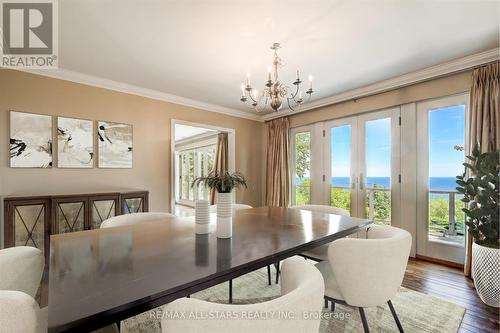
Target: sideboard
[30, 220]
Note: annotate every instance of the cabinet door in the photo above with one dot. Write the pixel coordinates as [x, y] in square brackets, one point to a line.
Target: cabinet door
[26, 223]
[69, 214]
[103, 208]
[134, 202]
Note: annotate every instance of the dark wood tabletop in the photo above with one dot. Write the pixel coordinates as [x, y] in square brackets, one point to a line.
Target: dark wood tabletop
[98, 277]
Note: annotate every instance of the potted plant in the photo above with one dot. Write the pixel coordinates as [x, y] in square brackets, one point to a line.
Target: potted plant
[481, 194]
[224, 184]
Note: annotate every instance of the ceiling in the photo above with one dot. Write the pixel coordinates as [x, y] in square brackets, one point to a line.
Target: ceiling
[202, 50]
[185, 131]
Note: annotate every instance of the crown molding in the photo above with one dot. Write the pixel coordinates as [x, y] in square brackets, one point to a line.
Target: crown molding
[443, 69]
[95, 81]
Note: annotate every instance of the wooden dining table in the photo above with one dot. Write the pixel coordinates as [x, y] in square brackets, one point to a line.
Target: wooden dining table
[99, 277]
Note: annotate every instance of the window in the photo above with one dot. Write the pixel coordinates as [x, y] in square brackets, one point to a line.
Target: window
[446, 155]
[301, 182]
[194, 163]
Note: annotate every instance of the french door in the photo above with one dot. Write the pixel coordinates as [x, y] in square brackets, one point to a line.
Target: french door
[442, 143]
[353, 164]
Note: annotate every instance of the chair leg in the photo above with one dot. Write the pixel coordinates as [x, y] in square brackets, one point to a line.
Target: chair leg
[333, 306]
[326, 303]
[363, 320]
[230, 291]
[277, 271]
[394, 314]
[269, 274]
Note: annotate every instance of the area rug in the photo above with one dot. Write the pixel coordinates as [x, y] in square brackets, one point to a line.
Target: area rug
[418, 312]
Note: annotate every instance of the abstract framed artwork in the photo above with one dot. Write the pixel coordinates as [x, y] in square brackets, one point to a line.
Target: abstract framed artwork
[75, 143]
[115, 145]
[30, 140]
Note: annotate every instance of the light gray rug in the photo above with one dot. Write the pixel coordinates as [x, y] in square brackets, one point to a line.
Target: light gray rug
[418, 312]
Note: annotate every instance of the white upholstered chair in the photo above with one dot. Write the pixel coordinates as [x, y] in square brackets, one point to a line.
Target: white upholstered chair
[21, 269]
[20, 313]
[367, 272]
[301, 292]
[321, 252]
[130, 219]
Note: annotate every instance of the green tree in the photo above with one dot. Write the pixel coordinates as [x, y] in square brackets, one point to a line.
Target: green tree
[303, 193]
[302, 154]
[302, 168]
[340, 198]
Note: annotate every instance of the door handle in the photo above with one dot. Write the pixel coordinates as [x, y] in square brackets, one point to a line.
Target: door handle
[353, 181]
[361, 184]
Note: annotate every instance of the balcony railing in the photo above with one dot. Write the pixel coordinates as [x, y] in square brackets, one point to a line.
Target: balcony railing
[445, 216]
[446, 219]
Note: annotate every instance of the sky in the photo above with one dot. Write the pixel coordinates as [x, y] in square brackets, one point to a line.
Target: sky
[446, 129]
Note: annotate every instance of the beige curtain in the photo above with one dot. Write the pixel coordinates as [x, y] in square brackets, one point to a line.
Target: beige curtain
[221, 164]
[484, 121]
[277, 167]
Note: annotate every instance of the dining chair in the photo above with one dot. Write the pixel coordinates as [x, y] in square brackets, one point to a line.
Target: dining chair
[320, 253]
[366, 272]
[302, 291]
[21, 269]
[134, 218]
[20, 313]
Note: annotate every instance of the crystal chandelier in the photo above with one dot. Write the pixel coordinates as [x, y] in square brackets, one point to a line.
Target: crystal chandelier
[275, 92]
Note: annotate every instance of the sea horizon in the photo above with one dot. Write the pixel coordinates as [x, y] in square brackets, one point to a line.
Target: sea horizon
[436, 183]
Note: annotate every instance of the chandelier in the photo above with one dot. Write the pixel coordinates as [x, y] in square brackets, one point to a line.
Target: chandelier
[275, 92]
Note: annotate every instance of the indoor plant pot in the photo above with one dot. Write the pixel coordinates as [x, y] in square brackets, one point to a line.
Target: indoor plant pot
[224, 215]
[224, 184]
[485, 272]
[481, 194]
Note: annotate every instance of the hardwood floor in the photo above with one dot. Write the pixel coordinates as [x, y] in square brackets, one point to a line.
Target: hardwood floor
[436, 280]
[451, 285]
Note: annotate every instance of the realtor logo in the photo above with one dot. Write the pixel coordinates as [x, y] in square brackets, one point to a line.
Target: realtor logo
[29, 34]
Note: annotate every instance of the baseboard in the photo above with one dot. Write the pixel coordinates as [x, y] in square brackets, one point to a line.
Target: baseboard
[440, 261]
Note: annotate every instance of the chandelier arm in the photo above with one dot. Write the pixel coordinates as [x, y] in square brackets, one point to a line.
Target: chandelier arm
[289, 106]
[297, 87]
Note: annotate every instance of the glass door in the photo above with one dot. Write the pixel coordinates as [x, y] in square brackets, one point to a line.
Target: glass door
[340, 189]
[362, 165]
[441, 139]
[300, 144]
[379, 164]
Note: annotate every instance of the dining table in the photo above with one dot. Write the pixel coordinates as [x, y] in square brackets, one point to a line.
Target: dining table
[102, 276]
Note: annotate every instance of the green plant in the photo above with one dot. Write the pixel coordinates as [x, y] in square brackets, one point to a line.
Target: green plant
[481, 194]
[223, 183]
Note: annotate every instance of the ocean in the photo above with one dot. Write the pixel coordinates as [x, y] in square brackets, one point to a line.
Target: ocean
[436, 183]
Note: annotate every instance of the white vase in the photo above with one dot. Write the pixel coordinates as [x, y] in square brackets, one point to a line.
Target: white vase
[224, 215]
[485, 271]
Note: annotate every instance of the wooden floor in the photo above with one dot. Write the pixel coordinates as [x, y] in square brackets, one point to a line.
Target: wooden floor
[436, 280]
[451, 285]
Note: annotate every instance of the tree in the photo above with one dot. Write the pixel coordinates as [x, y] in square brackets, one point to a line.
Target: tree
[302, 154]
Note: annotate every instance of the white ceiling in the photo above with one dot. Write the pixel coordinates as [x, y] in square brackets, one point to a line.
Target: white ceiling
[185, 131]
[202, 50]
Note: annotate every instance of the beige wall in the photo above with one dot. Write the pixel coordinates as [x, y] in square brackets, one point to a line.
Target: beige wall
[151, 120]
[445, 86]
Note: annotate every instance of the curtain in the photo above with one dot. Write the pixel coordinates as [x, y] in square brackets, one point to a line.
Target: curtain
[221, 164]
[277, 166]
[484, 121]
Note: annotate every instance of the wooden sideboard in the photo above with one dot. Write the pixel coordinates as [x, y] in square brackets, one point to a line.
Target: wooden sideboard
[30, 220]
